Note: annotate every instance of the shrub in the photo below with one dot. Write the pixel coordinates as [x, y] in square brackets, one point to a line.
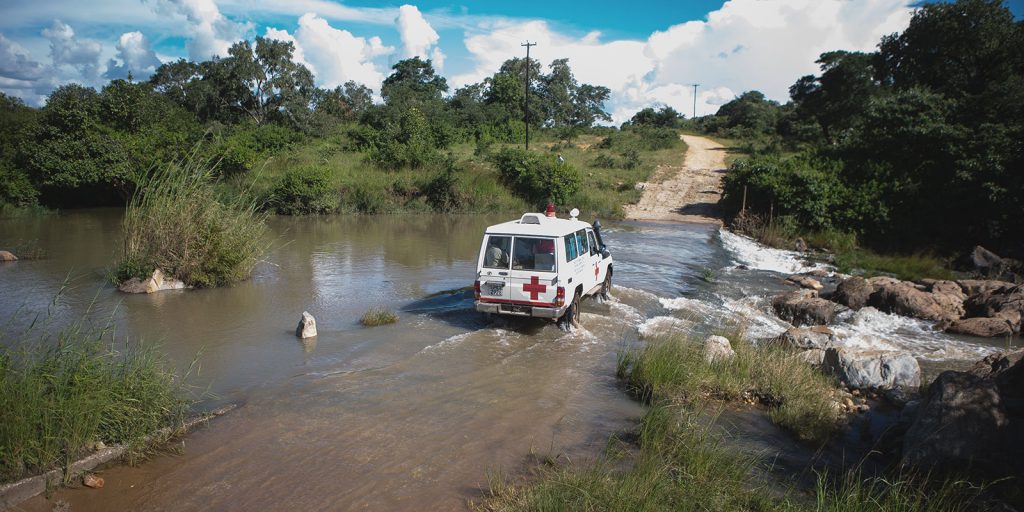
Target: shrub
[631, 159]
[443, 190]
[603, 161]
[305, 191]
[176, 222]
[410, 143]
[537, 178]
[657, 138]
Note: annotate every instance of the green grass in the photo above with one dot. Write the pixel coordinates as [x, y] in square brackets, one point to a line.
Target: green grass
[799, 398]
[378, 316]
[179, 223]
[63, 390]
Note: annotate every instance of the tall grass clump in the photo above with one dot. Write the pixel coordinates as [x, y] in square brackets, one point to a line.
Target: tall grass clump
[177, 222]
[800, 398]
[62, 391]
[682, 464]
[378, 316]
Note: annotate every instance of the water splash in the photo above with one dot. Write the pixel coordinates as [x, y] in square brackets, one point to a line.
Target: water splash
[747, 251]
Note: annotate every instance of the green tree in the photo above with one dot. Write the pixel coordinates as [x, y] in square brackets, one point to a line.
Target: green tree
[276, 87]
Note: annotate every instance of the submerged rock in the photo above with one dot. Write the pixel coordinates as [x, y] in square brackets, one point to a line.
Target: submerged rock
[972, 419]
[804, 307]
[306, 327]
[7, 256]
[92, 481]
[872, 369]
[154, 283]
[805, 282]
[718, 348]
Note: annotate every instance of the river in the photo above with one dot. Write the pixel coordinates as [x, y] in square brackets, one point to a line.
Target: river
[415, 415]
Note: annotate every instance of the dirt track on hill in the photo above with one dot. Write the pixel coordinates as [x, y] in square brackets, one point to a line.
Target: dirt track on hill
[687, 193]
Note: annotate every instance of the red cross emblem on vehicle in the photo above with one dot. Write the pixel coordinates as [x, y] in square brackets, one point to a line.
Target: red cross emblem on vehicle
[534, 287]
[597, 269]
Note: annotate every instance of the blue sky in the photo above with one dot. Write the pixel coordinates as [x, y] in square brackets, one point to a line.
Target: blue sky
[647, 53]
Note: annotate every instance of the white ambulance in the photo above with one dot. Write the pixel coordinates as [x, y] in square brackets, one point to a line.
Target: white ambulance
[542, 266]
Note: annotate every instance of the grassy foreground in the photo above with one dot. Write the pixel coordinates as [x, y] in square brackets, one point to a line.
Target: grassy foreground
[63, 391]
[683, 461]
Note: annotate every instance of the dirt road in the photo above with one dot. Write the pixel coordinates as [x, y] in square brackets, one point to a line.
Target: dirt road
[685, 194]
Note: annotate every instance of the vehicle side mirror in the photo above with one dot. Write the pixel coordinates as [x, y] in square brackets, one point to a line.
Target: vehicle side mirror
[605, 253]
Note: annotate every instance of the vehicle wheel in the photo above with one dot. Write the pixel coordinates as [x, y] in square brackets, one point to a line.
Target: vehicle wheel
[571, 317]
[606, 287]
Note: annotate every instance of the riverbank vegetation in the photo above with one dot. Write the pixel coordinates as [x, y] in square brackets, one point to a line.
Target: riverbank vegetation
[258, 117]
[64, 390]
[914, 148]
[378, 316]
[680, 457]
[177, 222]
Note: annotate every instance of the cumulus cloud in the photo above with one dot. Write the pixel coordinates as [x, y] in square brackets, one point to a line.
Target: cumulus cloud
[211, 33]
[744, 45]
[134, 56]
[418, 38]
[67, 50]
[16, 64]
[335, 56]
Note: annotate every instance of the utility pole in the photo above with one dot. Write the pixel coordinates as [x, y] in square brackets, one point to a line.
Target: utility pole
[526, 103]
[694, 100]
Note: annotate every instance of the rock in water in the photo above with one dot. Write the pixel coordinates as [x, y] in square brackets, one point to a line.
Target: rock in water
[307, 326]
[804, 307]
[972, 418]
[6, 256]
[853, 292]
[873, 369]
[816, 337]
[982, 327]
[93, 481]
[805, 282]
[904, 298]
[717, 348]
[154, 283]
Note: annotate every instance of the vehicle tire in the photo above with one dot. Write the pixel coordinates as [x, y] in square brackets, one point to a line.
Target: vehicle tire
[571, 317]
[606, 287]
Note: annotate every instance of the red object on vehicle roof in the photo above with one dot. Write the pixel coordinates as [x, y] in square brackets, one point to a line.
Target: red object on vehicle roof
[550, 211]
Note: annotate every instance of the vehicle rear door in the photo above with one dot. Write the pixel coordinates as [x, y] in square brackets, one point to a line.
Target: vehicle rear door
[533, 271]
[596, 260]
[495, 265]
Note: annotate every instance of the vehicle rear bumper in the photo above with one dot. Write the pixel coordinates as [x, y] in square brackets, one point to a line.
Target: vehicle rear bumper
[519, 310]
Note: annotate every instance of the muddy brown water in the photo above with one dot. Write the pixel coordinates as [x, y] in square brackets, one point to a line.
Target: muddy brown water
[412, 416]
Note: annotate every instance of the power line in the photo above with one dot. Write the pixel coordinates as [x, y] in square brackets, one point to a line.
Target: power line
[526, 103]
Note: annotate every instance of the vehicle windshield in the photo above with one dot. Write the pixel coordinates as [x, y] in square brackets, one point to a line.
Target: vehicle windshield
[536, 254]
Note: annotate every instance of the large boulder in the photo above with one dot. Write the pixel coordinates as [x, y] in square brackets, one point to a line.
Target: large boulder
[904, 298]
[306, 327]
[982, 327]
[1004, 302]
[804, 307]
[853, 292]
[976, 286]
[7, 256]
[872, 369]
[972, 419]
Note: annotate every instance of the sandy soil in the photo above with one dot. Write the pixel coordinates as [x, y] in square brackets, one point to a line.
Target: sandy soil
[688, 193]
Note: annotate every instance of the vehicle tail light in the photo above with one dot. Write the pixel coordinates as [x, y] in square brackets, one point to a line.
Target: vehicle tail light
[476, 290]
[560, 297]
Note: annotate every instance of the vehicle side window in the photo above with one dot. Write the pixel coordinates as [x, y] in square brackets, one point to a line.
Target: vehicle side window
[581, 238]
[593, 243]
[533, 254]
[497, 251]
[570, 247]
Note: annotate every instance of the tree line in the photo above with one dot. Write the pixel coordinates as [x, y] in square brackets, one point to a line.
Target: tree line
[918, 145]
[87, 147]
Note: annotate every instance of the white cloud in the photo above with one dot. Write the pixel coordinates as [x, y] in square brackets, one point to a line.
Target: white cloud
[135, 56]
[67, 50]
[336, 55]
[16, 63]
[418, 38]
[211, 33]
[744, 45]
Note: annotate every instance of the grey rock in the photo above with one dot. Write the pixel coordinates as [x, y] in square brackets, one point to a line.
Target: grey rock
[985, 259]
[306, 327]
[971, 419]
[806, 338]
[718, 348]
[872, 369]
[982, 327]
[805, 282]
[904, 298]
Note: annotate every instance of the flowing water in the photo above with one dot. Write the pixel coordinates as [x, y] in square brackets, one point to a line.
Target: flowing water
[414, 415]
